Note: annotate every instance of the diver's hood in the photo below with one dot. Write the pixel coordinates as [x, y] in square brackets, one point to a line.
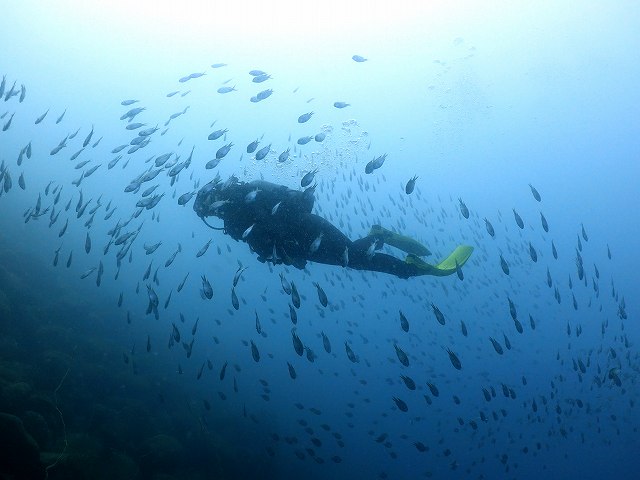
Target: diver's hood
[205, 198]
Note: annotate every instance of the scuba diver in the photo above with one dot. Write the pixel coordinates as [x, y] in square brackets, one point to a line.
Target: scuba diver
[278, 225]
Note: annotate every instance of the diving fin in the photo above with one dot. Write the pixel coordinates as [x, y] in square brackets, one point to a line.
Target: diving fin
[402, 242]
[448, 266]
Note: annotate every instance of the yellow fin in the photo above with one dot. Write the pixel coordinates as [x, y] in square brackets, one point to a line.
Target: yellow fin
[447, 266]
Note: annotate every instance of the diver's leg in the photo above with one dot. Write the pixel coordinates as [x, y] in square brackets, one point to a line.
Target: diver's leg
[401, 242]
[306, 229]
[381, 262]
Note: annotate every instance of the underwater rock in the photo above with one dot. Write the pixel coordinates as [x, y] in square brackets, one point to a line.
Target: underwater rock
[19, 455]
[9, 348]
[161, 452]
[37, 426]
[5, 307]
[87, 457]
[51, 366]
[14, 396]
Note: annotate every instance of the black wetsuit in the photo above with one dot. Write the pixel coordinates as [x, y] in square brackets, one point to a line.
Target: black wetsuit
[288, 235]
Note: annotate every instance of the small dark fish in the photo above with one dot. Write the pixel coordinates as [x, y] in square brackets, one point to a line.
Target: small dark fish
[555, 252]
[185, 197]
[292, 371]
[261, 78]
[326, 343]
[533, 253]
[284, 156]
[252, 146]
[175, 333]
[463, 209]
[64, 228]
[512, 309]
[200, 373]
[341, 104]
[184, 280]
[321, 295]
[258, 326]
[545, 225]
[41, 117]
[358, 58]
[310, 355]
[459, 271]
[61, 117]
[404, 323]
[254, 352]
[402, 356]
[411, 185]
[463, 327]
[194, 329]
[408, 381]
[497, 347]
[295, 297]
[421, 447]
[55, 257]
[190, 76]
[207, 291]
[518, 219]
[454, 360]
[487, 395]
[217, 134]
[238, 274]
[297, 343]
[374, 164]
[433, 389]
[489, 228]
[263, 152]
[350, 354]
[234, 299]
[88, 138]
[438, 314]
[87, 243]
[264, 94]
[7, 125]
[286, 286]
[293, 315]
[222, 151]
[504, 265]
[305, 117]
[223, 370]
[535, 193]
[204, 249]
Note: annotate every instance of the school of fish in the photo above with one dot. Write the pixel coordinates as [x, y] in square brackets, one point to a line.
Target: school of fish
[445, 339]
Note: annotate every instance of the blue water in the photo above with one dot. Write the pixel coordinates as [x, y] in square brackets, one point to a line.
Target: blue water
[478, 101]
